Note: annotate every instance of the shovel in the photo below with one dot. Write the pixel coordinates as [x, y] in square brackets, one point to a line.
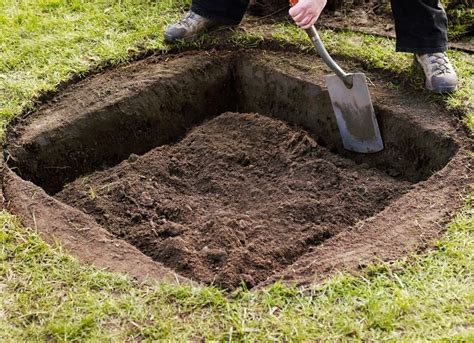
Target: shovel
[351, 102]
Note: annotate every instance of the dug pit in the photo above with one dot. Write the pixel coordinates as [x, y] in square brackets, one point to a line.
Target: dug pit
[227, 167]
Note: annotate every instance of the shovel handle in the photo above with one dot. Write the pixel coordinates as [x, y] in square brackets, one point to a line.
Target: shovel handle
[323, 53]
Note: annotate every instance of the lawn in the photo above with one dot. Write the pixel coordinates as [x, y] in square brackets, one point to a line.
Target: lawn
[46, 295]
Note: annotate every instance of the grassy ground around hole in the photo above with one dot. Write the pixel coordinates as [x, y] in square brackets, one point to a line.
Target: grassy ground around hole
[47, 295]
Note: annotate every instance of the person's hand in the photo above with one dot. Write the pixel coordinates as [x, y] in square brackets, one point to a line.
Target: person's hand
[306, 12]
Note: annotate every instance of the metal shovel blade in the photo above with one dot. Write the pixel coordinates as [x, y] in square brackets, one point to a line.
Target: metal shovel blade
[355, 114]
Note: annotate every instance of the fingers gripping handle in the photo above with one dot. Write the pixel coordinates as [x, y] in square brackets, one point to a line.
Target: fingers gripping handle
[323, 53]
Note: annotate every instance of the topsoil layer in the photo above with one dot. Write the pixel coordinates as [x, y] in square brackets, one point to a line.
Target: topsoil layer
[238, 199]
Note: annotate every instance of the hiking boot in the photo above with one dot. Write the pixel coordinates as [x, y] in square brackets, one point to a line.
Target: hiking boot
[440, 74]
[188, 28]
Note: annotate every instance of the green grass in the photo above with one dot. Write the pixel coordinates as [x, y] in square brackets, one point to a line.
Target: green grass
[43, 42]
[460, 17]
[47, 295]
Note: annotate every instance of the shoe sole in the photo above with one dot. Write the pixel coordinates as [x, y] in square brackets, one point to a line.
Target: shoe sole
[173, 40]
[442, 90]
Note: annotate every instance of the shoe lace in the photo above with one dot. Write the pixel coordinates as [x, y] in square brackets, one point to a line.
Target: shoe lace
[188, 20]
[440, 63]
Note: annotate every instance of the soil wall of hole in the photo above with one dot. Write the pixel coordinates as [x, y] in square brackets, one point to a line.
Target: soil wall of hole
[100, 121]
[66, 142]
[102, 126]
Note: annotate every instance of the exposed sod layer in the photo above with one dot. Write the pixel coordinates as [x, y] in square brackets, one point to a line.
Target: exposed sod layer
[240, 198]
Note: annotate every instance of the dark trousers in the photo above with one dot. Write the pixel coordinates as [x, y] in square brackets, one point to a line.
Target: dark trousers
[229, 12]
[420, 25]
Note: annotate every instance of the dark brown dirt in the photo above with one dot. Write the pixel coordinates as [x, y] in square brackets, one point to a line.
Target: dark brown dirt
[239, 198]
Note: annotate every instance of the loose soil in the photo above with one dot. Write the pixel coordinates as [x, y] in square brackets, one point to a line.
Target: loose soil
[238, 199]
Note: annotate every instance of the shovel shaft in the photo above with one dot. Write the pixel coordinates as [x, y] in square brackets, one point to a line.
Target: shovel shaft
[323, 53]
[313, 34]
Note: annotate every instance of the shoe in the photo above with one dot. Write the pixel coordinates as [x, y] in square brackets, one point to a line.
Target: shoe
[440, 74]
[188, 28]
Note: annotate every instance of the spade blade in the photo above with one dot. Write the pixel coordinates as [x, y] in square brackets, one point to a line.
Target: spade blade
[355, 114]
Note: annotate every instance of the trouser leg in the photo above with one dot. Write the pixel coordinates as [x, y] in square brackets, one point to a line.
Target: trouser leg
[228, 12]
[420, 25]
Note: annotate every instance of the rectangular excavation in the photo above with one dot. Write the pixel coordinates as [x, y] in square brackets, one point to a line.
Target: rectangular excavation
[239, 198]
[226, 168]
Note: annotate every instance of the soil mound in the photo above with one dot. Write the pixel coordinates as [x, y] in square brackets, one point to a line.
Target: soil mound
[239, 198]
